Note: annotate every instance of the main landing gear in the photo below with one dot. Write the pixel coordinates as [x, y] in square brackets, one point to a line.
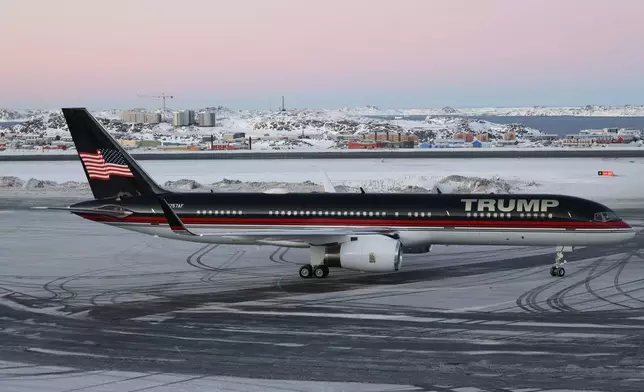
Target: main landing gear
[309, 271]
[558, 269]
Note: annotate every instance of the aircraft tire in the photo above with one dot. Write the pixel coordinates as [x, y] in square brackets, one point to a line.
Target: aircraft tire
[553, 271]
[320, 271]
[306, 271]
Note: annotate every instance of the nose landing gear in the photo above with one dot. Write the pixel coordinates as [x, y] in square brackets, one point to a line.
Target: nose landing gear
[558, 269]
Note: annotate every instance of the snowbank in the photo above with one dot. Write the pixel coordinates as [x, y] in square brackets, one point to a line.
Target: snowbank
[449, 184]
[571, 176]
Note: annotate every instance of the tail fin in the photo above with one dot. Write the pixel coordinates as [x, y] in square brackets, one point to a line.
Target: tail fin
[110, 171]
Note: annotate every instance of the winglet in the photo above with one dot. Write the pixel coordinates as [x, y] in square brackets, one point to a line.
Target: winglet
[173, 219]
[328, 185]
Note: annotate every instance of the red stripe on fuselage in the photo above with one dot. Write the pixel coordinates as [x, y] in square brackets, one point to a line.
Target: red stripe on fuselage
[429, 223]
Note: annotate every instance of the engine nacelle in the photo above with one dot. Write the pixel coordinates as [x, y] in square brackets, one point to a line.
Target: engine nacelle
[371, 253]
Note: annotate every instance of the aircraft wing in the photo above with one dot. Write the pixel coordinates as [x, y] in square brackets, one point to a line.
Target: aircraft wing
[287, 234]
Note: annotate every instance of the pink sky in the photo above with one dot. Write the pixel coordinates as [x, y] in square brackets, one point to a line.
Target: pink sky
[397, 53]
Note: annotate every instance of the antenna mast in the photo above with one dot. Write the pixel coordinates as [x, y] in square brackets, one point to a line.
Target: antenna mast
[163, 97]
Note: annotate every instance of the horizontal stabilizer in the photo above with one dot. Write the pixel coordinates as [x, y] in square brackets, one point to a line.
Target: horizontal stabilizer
[99, 211]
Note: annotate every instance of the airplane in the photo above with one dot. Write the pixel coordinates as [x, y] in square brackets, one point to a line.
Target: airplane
[363, 231]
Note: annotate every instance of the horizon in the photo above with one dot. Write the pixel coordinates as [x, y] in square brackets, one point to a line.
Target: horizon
[197, 108]
[170, 108]
[329, 54]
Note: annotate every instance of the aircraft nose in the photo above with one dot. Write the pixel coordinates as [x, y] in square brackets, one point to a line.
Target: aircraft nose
[632, 233]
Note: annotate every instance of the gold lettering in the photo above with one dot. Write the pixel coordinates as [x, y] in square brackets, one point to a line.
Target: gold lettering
[545, 204]
[468, 203]
[486, 203]
[506, 208]
[524, 205]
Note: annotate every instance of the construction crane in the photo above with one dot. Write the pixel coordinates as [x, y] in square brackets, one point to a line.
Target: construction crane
[162, 96]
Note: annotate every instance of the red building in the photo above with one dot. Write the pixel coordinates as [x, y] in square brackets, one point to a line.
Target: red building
[223, 147]
[363, 145]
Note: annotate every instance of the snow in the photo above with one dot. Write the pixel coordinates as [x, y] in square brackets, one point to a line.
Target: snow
[245, 118]
[305, 129]
[307, 124]
[51, 311]
[572, 176]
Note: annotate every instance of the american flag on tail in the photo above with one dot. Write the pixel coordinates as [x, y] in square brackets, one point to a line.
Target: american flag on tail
[105, 163]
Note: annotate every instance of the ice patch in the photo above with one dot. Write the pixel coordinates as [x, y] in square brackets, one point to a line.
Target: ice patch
[355, 316]
[581, 335]
[65, 353]
[490, 352]
[51, 311]
[154, 318]
[234, 341]
[483, 342]
[564, 325]
[79, 354]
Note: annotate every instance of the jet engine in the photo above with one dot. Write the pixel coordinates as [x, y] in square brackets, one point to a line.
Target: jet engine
[371, 253]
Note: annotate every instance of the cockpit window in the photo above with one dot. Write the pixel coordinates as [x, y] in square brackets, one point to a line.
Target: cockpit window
[606, 216]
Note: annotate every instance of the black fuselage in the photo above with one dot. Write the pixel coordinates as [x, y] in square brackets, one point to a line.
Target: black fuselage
[395, 209]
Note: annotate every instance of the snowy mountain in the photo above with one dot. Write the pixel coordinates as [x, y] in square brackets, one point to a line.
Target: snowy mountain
[290, 129]
[12, 115]
[582, 111]
[226, 113]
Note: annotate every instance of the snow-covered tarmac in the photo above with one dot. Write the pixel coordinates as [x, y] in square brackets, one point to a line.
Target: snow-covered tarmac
[88, 307]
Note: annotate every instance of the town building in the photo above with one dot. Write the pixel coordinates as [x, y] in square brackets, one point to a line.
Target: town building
[183, 118]
[467, 137]
[140, 117]
[206, 119]
[510, 136]
[232, 136]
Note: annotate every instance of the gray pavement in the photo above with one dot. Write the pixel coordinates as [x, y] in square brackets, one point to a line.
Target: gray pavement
[88, 307]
